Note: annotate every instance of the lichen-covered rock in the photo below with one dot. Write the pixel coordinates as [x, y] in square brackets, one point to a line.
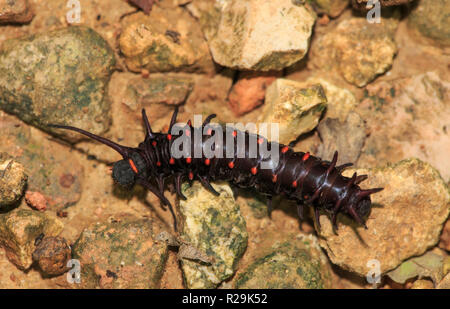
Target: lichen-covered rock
[431, 19]
[47, 163]
[16, 11]
[57, 77]
[52, 254]
[166, 40]
[259, 35]
[295, 108]
[297, 263]
[406, 218]
[121, 253]
[18, 231]
[12, 180]
[406, 118]
[356, 50]
[157, 89]
[214, 226]
[333, 8]
[249, 91]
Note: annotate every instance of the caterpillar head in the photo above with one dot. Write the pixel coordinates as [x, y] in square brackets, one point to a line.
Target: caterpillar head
[126, 171]
[359, 204]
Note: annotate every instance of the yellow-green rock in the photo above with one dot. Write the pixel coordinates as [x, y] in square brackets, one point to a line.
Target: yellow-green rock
[297, 263]
[295, 108]
[214, 226]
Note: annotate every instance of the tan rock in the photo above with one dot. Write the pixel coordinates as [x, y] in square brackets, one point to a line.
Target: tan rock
[405, 221]
[257, 35]
[295, 108]
[19, 230]
[445, 237]
[422, 284]
[356, 49]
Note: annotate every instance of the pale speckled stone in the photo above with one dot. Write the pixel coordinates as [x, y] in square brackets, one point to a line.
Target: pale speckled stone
[295, 107]
[214, 226]
[19, 230]
[257, 35]
[406, 218]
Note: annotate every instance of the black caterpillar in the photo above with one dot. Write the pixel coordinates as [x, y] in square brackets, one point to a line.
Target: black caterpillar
[297, 175]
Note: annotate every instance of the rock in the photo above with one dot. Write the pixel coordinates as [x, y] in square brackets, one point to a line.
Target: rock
[157, 90]
[340, 100]
[297, 263]
[445, 237]
[363, 4]
[445, 283]
[406, 118]
[346, 137]
[422, 284]
[296, 109]
[121, 253]
[399, 226]
[57, 77]
[52, 255]
[249, 91]
[18, 231]
[214, 226]
[12, 180]
[167, 40]
[332, 8]
[45, 161]
[36, 200]
[260, 35]
[17, 11]
[430, 19]
[356, 50]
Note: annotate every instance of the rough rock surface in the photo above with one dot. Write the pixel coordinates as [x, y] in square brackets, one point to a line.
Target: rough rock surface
[332, 8]
[399, 225]
[445, 283]
[16, 11]
[346, 137]
[214, 226]
[430, 18]
[121, 253]
[259, 35]
[296, 109]
[52, 255]
[166, 40]
[18, 231]
[12, 180]
[48, 164]
[298, 263]
[406, 118]
[356, 49]
[445, 237]
[57, 77]
[249, 91]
